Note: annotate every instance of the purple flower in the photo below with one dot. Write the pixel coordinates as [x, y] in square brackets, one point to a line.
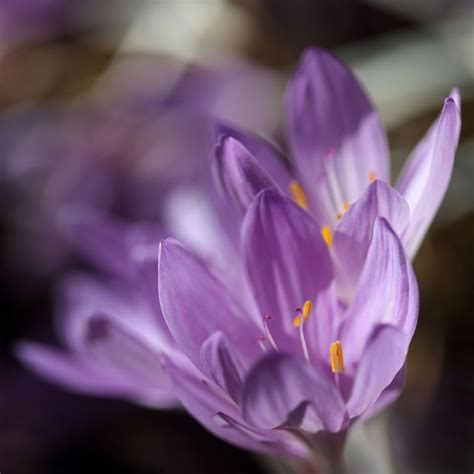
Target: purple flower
[294, 356]
[338, 147]
[111, 330]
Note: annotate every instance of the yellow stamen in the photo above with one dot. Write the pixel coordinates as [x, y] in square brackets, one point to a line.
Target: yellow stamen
[337, 357]
[307, 308]
[297, 321]
[298, 194]
[327, 235]
[372, 176]
[344, 209]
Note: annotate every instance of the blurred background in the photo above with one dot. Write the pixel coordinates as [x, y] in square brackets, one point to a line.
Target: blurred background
[104, 104]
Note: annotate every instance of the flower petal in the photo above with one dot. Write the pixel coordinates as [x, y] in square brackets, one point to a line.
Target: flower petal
[195, 304]
[424, 179]
[282, 390]
[354, 231]
[267, 155]
[238, 174]
[82, 376]
[286, 260]
[387, 293]
[383, 357]
[108, 244]
[222, 365]
[214, 410]
[329, 113]
[388, 396]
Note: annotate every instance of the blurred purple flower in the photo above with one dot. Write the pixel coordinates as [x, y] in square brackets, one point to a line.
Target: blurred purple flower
[293, 356]
[338, 145]
[109, 184]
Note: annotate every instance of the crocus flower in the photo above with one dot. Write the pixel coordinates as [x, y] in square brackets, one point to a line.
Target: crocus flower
[337, 148]
[294, 358]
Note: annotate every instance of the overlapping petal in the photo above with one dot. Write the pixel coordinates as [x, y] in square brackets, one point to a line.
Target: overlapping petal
[328, 113]
[238, 174]
[387, 293]
[354, 231]
[286, 260]
[282, 390]
[195, 304]
[383, 357]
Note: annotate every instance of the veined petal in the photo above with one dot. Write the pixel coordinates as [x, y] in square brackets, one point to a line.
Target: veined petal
[222, 364]
[238, 174]
[329, 113]
[282, 390]
[354, 231]
[286, 259]
[387, 293]
[383, 357]
[195, 304]
[267, 155]
[424, 179]
[216, 412]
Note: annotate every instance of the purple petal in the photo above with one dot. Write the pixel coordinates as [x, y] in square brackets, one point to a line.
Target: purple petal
[388, 396]
[282, 390]
[286, 260]
[424, 179]
[82, 376]
[238, 174]
[214, 410]
[268, 156]
[329, 113]
[354, 231]
[387, 293]
[80, 297]
[383, 357]
[220, 362]
[109, 244]
[195, 305]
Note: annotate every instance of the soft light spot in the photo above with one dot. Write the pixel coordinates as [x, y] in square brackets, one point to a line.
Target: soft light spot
[297, 321]
[372, 176]
[344, 208]
[327, 235]
[298, 194]
[337, 357]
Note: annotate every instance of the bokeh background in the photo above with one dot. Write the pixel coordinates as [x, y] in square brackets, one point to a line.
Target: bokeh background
[104, 103]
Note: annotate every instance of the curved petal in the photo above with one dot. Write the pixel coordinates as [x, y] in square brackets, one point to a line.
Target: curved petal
[286, 259]
[195, 305]
[79, 297]
[238, 175]
[387, 293]
[328, 114]
[424, 179]
[220, 362]
[81, 376]
[282, 390]
[354, 231]
[388, 396]
[269, 157]
[383, 357]
[219, 414]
